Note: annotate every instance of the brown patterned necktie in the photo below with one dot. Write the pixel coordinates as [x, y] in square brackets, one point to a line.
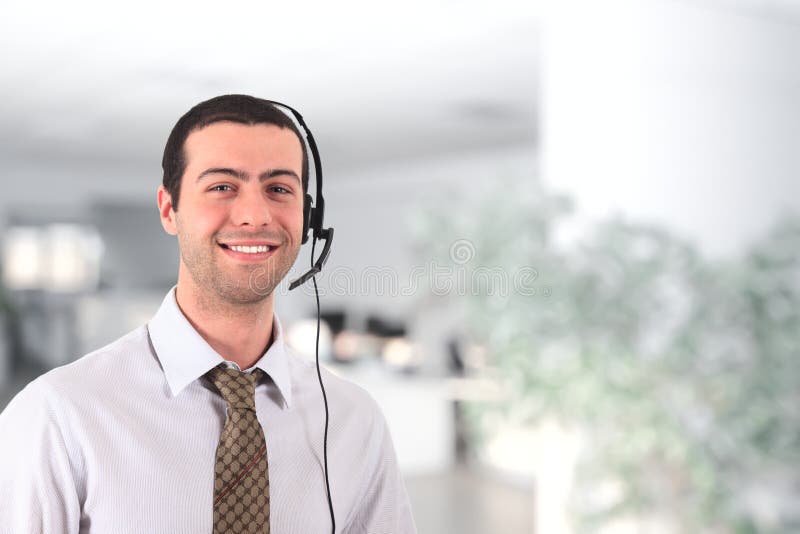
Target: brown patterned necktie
[241, 479]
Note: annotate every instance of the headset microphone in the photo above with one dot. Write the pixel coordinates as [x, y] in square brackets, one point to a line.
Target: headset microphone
[316, 267]
[313, 214]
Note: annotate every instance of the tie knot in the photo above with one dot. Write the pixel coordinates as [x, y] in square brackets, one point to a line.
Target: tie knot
[236, 387]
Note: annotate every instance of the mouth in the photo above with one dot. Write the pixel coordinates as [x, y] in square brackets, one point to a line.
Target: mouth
[250, 252]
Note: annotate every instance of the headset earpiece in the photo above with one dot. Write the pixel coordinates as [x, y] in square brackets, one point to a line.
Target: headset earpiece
[306, 216]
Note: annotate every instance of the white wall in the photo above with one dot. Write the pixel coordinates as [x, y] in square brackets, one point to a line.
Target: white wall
[673, 112]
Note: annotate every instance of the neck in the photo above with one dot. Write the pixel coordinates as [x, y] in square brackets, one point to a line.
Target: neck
[239, 332]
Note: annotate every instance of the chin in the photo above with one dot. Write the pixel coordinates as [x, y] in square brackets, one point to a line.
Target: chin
[244, 294]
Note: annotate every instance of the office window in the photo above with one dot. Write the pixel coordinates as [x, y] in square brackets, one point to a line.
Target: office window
[55, 257]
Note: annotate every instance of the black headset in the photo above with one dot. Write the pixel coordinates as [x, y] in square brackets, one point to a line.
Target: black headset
[313, 209]
[313, 214]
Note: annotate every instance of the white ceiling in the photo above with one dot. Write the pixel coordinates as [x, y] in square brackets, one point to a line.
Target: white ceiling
[89, 90]
[787, 10]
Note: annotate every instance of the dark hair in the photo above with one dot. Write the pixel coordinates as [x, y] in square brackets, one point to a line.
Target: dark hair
[243, 109]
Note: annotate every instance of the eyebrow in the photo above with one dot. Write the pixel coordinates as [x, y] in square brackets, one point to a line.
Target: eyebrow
[244, 177]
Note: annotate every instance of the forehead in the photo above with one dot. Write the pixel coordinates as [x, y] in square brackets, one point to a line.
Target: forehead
[230, 142]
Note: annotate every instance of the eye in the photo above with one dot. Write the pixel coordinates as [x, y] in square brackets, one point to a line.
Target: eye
[280, 189]
[221, 187]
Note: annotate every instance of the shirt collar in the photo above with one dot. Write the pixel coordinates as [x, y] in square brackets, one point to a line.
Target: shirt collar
[185, 356]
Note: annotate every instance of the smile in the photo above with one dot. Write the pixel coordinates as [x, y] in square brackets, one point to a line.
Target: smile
[248, 252]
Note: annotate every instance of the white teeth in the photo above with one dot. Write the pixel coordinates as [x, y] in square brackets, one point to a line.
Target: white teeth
[251, 250]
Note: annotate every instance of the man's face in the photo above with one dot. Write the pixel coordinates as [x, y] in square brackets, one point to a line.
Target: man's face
[240, 215]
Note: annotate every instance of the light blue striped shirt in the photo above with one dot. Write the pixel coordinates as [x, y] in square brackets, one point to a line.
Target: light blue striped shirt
[123, 441]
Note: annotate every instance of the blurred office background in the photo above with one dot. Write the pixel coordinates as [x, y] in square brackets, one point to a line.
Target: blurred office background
[567, 249]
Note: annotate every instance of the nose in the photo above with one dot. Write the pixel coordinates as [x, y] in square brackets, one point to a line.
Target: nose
[250, 209]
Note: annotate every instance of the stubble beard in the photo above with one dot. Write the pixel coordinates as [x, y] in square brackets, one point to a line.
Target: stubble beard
[236, 285]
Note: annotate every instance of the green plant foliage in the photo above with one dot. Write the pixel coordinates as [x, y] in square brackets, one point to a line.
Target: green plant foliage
[683, 372]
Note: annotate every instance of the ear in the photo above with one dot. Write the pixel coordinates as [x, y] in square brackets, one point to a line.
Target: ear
[166, 212]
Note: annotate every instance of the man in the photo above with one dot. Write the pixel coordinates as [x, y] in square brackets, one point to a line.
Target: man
[158, 431]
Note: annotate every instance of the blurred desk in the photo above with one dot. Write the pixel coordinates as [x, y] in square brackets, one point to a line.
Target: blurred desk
[418, 410]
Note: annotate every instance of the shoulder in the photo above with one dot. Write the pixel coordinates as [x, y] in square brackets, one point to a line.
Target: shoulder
[342, 393]
[103, 369]
[119, 360]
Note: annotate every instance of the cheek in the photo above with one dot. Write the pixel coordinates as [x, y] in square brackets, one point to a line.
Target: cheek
[300, 224]
[200, 223]
[292, 220]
